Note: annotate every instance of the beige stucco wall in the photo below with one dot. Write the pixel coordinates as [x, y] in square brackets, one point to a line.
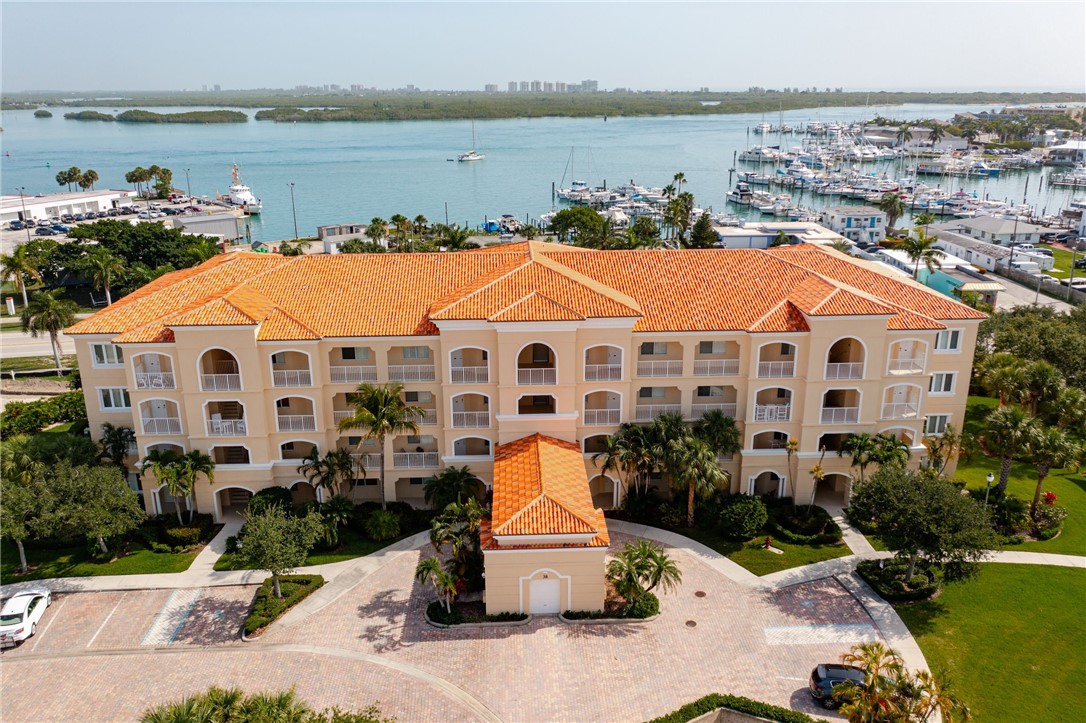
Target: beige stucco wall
[580, 571]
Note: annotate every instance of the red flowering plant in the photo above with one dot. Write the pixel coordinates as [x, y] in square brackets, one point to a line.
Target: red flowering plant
[1050, 498]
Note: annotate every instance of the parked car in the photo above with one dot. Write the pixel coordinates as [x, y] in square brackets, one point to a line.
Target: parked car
[67, 218]
[1081, 263]
[60, 228]
[21, 613]
[193, 209]
[113, 212]
[827, 677]
[171, 211]
[31, 223]
[45, 231]
[16, 225]
[80, 217]
[143, 214]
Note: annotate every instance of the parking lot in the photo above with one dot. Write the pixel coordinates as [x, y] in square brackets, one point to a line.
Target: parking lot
[139, 618]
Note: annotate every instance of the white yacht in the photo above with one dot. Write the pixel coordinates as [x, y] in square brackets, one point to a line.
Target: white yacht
[241, 195]
[471, 155]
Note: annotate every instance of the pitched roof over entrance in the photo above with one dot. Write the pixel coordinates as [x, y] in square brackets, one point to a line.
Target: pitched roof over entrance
[540, 489]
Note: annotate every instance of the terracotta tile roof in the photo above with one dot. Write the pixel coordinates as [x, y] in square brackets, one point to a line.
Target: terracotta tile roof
[351, 295]
[541, 488]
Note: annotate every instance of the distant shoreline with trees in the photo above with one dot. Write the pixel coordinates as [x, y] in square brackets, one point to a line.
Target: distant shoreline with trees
[146, 116]
[285, 106]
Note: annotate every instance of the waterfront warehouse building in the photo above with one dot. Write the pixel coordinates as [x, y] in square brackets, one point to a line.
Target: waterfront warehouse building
[251, 358]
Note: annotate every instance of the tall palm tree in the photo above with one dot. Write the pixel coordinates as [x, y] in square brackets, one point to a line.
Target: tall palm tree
[430, 570]
[1008, 433]
[891, 204]
[719, 431]
[165, 465]
[680, 179]
[921, 247]
[114, 445]
[876, 699]
[452, 484]
[791, 448]
[420, 225]
[90, 177]
[1002, 374]
[402, 227]
[970, 133]
[105, 268]
[863, 448]
[636, 452]
[936, 134]
[613, 458]
[380, 411]
[47, 313]
[932, 694]
[1043, 383]
[904, 134]
[330, 471]
[693, 466]
[18, 267]
[1050, 448]
[192, 465]
[377, 231]
[924, 218]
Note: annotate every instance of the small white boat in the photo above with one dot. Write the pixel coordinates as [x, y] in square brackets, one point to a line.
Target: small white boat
[241, 195]
[471, 155]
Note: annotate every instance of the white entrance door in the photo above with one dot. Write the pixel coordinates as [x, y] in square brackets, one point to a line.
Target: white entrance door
[544, 596]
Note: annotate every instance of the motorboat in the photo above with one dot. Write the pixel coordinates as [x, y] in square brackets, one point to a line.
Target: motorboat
[242, 196]
[740, 195]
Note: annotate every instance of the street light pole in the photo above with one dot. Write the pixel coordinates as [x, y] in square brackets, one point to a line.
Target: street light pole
[22, 202]
[188, 185]
[990, 478]
[293, 210]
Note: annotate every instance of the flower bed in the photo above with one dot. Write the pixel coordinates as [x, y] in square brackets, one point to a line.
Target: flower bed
[267, 608]
[806, 525]
[468, 613]
[888, 581]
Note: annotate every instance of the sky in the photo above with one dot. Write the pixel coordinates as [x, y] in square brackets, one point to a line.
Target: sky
[873, 45]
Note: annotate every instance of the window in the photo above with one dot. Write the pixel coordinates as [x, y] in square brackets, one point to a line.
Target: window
[541, 400]
[936, 423]
[413, 397]
[541, 354]
[710, 391]
[711, 347]
[949, 340]
[287, 446]
[279, 358]
[417, 480]
[114, 398]
[351, 353]
[107, 355]
[416, 352]
[651, 392]
[368, 482]
[282, 403]
[420, 439]
[787, 349]
[942, 383]
[654, 348]
[783, 394]
[354, 441]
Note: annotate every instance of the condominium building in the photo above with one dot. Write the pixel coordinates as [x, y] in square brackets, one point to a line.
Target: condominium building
[252, 357]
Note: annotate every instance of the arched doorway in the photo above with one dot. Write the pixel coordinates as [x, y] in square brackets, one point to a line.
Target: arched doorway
[606, 492]
[302, 492]
[832, 492]
[231, 503]
[766, 484]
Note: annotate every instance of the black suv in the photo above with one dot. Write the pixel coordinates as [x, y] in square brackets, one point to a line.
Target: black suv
[826, 678]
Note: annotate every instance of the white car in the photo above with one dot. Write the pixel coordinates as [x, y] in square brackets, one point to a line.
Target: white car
[20, 614]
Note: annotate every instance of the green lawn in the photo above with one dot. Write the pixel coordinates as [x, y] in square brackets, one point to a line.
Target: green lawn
[352, 544]
[760, 561]
[1062, 269]
[75, 562]
[32, 363]
[1012, 641]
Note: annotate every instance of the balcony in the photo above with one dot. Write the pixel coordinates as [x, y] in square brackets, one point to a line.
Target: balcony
[353, 374]
[161, 425]
[649, 412]
[471, 420]
[469, 375]
[772, 412]
[292, 378]
[660, 368]
[368, 461]
[226, 428]
[776, 369]
[844, 370]
[900, 410]
[414, 460]
[155, 380]
[537, 376]
[840, 415]
[219, 371]
[338, 415]
[220, 382]
[602, 372]
[428, 418]
[716, 367]
[594, 417]
[411, 373]
[296, 423]
[697, 411]
[906, 366]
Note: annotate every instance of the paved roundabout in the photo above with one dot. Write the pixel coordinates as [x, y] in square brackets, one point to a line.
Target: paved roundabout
[108, 655]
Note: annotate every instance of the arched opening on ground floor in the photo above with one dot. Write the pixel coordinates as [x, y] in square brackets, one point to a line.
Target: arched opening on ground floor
[766, 484]
[606, 492]
[302, 492]
[833, 491]
[231, 502]
[165, 502]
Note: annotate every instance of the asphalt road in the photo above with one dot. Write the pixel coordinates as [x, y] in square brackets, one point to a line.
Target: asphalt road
[16, 343]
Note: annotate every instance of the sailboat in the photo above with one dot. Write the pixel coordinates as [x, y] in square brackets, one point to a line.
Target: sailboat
[471, 155]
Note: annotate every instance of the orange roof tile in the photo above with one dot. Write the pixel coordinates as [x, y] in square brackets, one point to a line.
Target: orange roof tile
[537, 307]
[785, 317]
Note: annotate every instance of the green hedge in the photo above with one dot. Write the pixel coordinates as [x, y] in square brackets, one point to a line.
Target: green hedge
[819, 529]
[267, 608]
[713, 701]
[888, 581]
[437, 613]
[645, 607]
[31, 417]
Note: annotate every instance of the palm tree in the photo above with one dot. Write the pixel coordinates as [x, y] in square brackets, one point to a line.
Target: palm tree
[1008, 433]
[922, 248]
[105, 268]
[430, 570]
[842, 245]
[456, 239]
[936, 134]
[791, 448]
[380, 411]
[904, 134]
[890, 451]
[420, 224]
[931, 694]
[641, 567]
[529, 232]
[781, 239]
[69, 177]
[613, 457]
[863, 448]
[660, 570]
[1050, 448]
[377, 230]
[402, 226]
[891, 204]
[943, 447]
[18, 266]
[115, 443]
[90, 177]
[1068, 409]
[876, 699]
[166, 467]
[924, 218]
[192, 465]
[680, 179]
[332, 470]
[693, 466]
[1001, 374]
[49, 314]
[720, 432]
[452, 484]
[1043, 382]
[970, 133]
[668, 191]
[636, 451]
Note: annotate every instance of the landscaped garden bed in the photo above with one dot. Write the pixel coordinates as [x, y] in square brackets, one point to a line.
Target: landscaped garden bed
[717, 701]
[472, 614]
[267, 608]
[802, 525]
[616, 609]
[887, 578]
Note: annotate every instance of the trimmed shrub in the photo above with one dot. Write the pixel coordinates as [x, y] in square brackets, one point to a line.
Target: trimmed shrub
[807, 525]
[713, 701]
[31, 417]
[437, 613]
[267, 608]
[382, 525]
[888, 581]
[642, 504]
[265, 498]
[232, 544]
[646, 606]
[159, 547]
[743, 516]
[1048, 520]
[182, 536]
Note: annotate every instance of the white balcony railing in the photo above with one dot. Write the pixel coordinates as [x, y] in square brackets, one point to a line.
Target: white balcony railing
[906, 366]
[411, 373]
[220, 382]
[777, 369]
[661, 368]
[352, 374]
[772, 412]
[900, 410]
[840, 415]
[844, 370]
[716, 367]
[226, 428]
[469, 375]
[292, 378]
[368, 461]
[161, 425]
[649, 412]
[537, 376]
[601, 416]
[471, 420]
[602, 372]
[154, 380]
[338, 415]
[428, 417]
[414, 460]
[296, 423]
[697, 411]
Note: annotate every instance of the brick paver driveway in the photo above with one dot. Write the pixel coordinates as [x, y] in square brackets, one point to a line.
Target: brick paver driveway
[372, 644]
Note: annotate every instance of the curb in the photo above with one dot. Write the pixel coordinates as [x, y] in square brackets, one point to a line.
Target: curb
[509, 624]
[606, 621]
